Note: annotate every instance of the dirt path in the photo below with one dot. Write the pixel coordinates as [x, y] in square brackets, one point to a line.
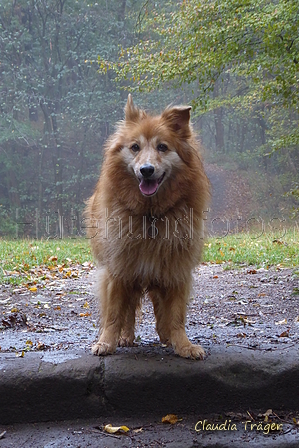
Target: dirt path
[257, 309]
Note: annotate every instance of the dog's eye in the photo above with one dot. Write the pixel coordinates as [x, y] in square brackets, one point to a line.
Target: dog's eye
[135, 147]
[161, 147]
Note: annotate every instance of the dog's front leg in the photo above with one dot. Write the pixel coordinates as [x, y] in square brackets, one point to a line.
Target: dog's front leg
[128, 335]
[113, 299]
[170, 305]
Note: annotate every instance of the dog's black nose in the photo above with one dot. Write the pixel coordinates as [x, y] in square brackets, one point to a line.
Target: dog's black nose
[147, 170]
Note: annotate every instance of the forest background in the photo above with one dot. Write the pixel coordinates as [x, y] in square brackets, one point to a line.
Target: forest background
[65, 70]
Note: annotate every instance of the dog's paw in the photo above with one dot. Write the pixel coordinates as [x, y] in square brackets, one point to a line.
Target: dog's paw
[191, 351]
[126, 341]
[102, 349]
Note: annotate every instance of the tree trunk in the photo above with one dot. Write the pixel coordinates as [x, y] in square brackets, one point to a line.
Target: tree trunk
[219, 128]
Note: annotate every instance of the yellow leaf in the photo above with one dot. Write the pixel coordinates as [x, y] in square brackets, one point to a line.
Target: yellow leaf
[33, 289]
[86, 305]
[14, 310]
[170, 418]
[281, 322]
[114, 429]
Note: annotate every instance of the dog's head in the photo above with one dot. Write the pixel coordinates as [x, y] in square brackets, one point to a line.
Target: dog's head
[154, 148]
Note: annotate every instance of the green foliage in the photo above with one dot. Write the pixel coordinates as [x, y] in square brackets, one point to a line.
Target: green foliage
[202, 41]
[55, 108]
[241, 61]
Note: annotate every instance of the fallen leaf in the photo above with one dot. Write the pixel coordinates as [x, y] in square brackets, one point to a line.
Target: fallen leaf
[277, 241]
[285, 334]
[40, 346]
[281, 322]
[215, 276]
[116, 429]
[170, 418]
[241, 335]
[33, 289]
[262, 294]
[15, 319]
[2, 434]
[267, 414]
[252, 271]
[84, 314]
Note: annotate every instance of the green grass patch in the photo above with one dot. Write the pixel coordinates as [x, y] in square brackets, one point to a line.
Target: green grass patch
[18, 257]
[249, 250]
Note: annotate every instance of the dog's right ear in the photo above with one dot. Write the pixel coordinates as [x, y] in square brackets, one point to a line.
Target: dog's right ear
[132, 113]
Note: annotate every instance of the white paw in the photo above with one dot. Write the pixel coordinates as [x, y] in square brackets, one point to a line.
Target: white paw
[102, 349]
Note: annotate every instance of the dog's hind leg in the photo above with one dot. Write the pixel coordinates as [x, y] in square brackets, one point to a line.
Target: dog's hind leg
[113, 301]
[170, 305]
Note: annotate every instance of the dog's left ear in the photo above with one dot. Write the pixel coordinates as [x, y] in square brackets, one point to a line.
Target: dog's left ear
[178, 118]
[132, 113]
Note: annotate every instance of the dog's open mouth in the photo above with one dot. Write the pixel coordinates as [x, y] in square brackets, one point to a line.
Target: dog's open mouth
[148, 187]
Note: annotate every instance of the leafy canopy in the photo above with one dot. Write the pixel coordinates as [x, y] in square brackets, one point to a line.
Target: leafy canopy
[202, 40]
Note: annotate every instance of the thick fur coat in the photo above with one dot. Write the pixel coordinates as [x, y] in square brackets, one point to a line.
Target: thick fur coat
[145, 224]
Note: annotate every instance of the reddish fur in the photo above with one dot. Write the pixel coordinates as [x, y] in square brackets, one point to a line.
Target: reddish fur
[130, 266]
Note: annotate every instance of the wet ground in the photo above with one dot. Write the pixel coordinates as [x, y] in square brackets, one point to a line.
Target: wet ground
[228, 431]
[254, 308]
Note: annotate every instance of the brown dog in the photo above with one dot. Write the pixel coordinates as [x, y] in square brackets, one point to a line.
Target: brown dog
[146, 226]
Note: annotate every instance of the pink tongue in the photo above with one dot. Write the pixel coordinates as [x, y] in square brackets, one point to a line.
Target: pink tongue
[148, 186]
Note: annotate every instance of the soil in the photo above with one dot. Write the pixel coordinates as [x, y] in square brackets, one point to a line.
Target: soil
[253, 308]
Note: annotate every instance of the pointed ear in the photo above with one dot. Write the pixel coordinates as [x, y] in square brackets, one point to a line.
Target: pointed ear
[132, 113]
[178, 118]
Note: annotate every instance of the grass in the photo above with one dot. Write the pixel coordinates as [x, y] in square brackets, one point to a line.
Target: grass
[17, 257]
[249, 250]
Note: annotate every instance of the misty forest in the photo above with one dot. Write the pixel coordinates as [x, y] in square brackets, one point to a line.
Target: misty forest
[66, 67]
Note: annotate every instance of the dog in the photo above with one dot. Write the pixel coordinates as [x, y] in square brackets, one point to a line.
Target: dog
[145, 224]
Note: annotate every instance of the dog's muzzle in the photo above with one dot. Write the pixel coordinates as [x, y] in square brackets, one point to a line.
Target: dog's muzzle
[148, 182]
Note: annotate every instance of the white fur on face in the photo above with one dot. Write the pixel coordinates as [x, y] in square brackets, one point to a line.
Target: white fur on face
[163, 162]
